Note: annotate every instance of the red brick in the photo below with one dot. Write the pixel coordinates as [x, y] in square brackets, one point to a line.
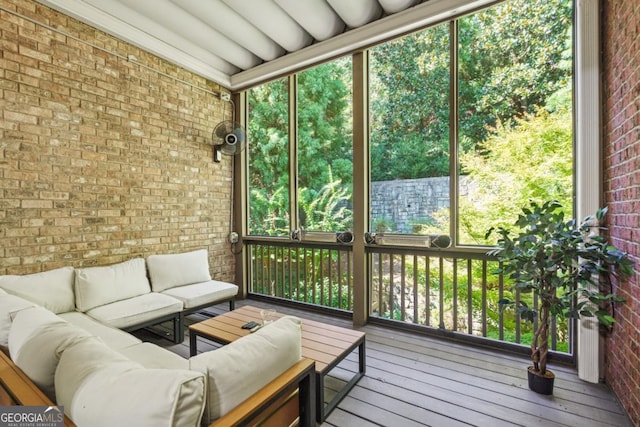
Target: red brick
[621, 77]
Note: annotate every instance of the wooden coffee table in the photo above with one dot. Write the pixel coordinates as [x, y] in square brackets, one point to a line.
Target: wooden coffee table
[328, 345]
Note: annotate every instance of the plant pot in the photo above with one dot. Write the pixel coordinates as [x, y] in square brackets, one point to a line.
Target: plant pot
[542, 384]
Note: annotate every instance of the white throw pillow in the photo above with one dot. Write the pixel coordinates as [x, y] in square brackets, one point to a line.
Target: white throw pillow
[238, 370]
[38, 355]
[97, 286]
[51, 289]
[171, 270]
[101, 389]
[9, 305]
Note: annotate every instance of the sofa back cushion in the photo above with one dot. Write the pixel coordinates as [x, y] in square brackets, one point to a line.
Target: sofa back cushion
[51, 289]
[99, 387]
[97, 286]
[36, 341]
[171, 270]
[9, 305]
[237, 370]
[81, 361]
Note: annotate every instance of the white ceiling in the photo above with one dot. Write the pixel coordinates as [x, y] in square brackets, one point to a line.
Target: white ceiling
[237, 43]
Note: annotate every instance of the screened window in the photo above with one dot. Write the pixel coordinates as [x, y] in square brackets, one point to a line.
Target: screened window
[325, 149]
[268, 174]
[409, 133]
[500, 117]
[469, 120]
[515, 119]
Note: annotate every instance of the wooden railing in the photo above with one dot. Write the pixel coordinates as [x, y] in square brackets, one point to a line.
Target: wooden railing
[306, 273]
[454, 291]
[439, 290]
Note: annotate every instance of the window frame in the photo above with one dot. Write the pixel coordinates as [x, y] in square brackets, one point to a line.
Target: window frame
[452, 20]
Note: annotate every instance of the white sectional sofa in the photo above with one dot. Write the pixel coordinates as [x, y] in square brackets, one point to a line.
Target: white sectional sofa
[104, 376]
[66, 329]
[122, 296]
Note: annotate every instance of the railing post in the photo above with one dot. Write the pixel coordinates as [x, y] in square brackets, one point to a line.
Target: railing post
[360, 188]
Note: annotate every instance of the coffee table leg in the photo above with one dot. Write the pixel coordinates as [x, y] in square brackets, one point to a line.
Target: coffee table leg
[320, 397]
[362, 357]
[323, 410]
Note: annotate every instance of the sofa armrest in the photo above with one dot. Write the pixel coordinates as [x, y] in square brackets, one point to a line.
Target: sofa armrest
[21, 388]
[298, 381]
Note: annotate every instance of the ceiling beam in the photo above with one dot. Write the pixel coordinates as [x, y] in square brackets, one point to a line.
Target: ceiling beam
[412, 19]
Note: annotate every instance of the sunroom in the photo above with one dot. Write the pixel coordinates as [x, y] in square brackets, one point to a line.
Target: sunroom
[341, 162]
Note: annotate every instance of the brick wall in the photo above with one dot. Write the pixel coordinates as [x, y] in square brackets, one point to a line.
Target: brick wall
[621, 80]
[101, 159]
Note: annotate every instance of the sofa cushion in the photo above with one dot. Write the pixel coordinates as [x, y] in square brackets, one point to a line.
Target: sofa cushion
[80, 362]
[203, 293]
[136, 310]
[96, 286]
[37, 352]
[9, 305]
[51, 289]
[171, 270]
[238, 370]
[113, 337]
[21, 331]
[153, 356]
[99, 387]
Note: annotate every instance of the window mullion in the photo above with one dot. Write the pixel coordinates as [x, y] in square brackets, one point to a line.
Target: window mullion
[294, 222]
[453, 132]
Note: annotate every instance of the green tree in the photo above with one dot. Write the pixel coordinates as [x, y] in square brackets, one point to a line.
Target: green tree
[509, 63]
[532, 160]
[410, 106]
[324, 143]
[268, 135]
[324, 125]
[325, 153]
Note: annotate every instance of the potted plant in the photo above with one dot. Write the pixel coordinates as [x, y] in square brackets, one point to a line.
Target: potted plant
[561, 263]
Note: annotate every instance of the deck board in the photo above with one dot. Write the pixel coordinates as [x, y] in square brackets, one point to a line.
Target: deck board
[493, 387]
[414, 380]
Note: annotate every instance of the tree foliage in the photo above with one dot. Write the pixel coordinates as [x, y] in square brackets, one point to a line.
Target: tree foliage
[324, 125]
[531, 160]
[509, 63]
[323, 139]
[410, 106]
[268, 133]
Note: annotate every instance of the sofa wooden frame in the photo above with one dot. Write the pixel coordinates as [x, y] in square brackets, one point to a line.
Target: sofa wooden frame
[287, 400]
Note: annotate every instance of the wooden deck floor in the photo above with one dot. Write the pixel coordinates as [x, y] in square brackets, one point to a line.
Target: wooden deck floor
[413, 380]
